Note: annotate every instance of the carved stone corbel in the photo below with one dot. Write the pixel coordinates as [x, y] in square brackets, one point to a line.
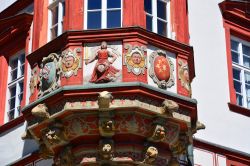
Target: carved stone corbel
[26, 135]
[104, 100]
[106, 127]
[41, 111]
[150, 155]
[106, 150]
[54, 134]
[180, 146]
[173, 162]
[65, 157]
[168, 107]
[44, 152]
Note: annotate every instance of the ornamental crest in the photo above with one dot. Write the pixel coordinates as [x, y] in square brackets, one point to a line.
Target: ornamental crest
[34, 80]
[161, 69]
[183, 75]
[70, 62]
[49, 74]
[135, 60]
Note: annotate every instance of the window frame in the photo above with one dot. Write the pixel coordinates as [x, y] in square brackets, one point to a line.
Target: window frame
[15, 83]
[104, 10]
[155, 18]
[240, 67]
[60, 15]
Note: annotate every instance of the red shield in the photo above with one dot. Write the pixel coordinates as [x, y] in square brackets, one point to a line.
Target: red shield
[162, 68]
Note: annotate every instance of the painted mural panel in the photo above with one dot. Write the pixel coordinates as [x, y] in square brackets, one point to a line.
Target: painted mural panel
[161, 69]
[102, 62]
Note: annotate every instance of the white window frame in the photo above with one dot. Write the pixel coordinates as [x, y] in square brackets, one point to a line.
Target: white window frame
[103, 10]
[53, 4]
[12, 83]
[240, 67]
[155, 18]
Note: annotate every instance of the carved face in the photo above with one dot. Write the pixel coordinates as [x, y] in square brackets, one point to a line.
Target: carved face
[103, 45]
[106, 148]
[136, 58]
[186, 75]
[69, 61]
[152, 152]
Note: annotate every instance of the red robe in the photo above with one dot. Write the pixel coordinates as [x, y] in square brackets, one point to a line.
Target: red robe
[109, 71]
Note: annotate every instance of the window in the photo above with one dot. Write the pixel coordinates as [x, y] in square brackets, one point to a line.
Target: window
[157, 16]
[15, 85]
[103, 14]
[240, 52]
[56, 15]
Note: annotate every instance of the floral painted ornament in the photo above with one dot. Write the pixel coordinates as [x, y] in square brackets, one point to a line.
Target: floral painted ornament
[49, 74]
[161, 69]
[70, 62]
[183, 75]
[135, 60]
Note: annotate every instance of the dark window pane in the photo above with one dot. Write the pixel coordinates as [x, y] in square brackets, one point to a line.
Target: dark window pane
[162, 28]
[13, 74]
[248, 90]
[148, 6]
[94, 20]
[21, 87]
[12, 91]
[11, 115]
[239, 99]
[22, 70]
[114, 4]
[246, 61]
[63, 6]
[94, 4]
[12, 103]
[53, 32]
[113, 19]
[22, 58]
[236, 74]
[54, 15]
[13, 63]
[234, 45]
[246, 50]
[247, 77]
[237, 86]
[161, 10]
[149, 22]
[235, 57]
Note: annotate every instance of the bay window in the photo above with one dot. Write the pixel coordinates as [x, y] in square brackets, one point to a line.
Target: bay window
[240, 52]
[15, 85]
[56, 15]
[103, 14]
[157, 16]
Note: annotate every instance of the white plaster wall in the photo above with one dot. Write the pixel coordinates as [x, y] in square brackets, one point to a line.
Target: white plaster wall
[12, 147]
[210, 87]
[5, 4]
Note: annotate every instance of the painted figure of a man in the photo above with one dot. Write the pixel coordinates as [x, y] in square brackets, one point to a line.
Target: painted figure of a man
[103, 71]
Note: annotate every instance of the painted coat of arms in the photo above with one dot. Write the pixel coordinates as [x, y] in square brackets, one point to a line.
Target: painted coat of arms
[49, 74]
[161, 69]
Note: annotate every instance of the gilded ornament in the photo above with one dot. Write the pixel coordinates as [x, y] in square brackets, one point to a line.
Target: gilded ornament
[106, 151]
[70, 62]
[135, 60]
[161, 69]
[183, 75]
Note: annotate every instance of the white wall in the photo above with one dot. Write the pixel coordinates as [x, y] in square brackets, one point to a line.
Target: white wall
[210, 87]
[12, 147]
[5, 4]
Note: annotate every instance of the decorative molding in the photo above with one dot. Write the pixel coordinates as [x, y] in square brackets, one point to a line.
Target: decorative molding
[134, 59]
[70, 62]
[161, 69]
[168, 107]
[34, 80]
[41, 111]
[49, 74]
[65, 157]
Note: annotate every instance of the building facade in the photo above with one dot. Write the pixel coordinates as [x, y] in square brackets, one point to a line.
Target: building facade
[108, 82]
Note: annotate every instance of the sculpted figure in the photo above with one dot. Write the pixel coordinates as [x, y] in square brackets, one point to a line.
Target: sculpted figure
[104, 99]
[150, 155]
[159, 133]
[107, 152]
[103, 71]
[169, 106]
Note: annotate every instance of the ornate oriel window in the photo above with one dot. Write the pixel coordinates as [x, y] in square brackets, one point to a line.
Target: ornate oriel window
[240, 52]
[56, 15]
[157, 16]
[103, 14]
[15, 85]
